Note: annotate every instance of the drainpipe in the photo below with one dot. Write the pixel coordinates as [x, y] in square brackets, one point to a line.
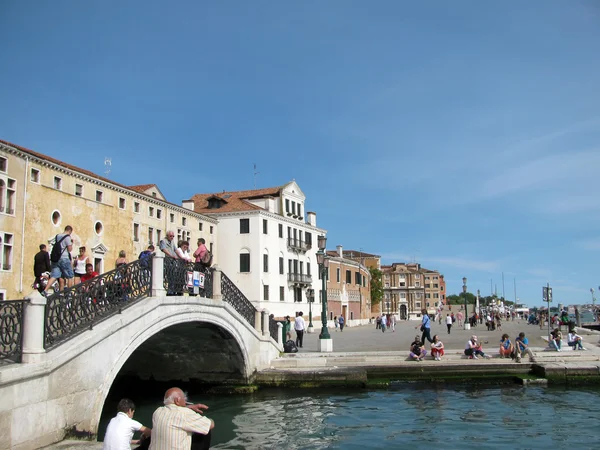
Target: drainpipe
[23, 224]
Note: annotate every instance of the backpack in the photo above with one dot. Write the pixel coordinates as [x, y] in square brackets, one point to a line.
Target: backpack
[56, 252]
[207, 259]
[290, 347]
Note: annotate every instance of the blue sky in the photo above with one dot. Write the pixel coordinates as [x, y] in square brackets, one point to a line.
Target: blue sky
[463, 135]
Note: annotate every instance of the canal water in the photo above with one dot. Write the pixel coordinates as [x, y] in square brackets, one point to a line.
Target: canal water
[410, 416]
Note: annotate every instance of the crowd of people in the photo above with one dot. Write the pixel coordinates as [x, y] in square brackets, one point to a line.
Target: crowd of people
[61, 270]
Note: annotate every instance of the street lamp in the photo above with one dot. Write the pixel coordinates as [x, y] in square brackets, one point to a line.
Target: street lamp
[325, 342]
[310, 296]
[465, 294]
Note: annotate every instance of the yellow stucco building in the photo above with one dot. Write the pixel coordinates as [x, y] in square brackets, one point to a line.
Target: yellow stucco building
[40, 195]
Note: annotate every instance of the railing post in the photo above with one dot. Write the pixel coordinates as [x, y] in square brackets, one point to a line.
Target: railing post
[280, 338]
[266, 329]
[258, 321]
[158, 274]
[217, 293]
[33, 328]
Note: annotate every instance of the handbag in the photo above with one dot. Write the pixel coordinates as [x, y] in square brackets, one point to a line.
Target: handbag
[422, 328]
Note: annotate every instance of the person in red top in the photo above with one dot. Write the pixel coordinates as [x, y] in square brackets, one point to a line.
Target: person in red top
[89, 273]
[200, 252]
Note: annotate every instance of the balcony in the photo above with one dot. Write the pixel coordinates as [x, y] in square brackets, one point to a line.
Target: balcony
[299, 278]
[298, 245]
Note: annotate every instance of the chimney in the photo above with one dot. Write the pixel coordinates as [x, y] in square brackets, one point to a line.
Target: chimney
[312, 218]
[188, 204]
[340, 251]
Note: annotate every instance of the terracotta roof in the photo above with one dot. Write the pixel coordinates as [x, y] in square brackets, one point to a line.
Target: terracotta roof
[233, 201]
[142, 188]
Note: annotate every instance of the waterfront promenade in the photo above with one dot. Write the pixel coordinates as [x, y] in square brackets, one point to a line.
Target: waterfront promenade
[368, 339]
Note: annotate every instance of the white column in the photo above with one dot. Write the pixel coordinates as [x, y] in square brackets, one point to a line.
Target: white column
[217, 294]
[265, 322]
[258, 321]
[33, 328]
[158, 270]
[280, 333]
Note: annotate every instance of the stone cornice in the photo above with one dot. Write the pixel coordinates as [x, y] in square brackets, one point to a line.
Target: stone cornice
[270, 214]
[112, 186]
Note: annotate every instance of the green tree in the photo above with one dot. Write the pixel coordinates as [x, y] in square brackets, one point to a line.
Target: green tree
[376, 286]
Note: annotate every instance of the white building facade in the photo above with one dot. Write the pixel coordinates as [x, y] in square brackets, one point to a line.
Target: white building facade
[267, 245]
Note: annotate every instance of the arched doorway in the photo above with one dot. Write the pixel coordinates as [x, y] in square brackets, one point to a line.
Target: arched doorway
[403, 315]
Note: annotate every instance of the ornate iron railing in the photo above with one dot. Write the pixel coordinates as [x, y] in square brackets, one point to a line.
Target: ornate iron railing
[273, 328]
[11, 330]
[235, 297]
[175, 278]
[76, 309]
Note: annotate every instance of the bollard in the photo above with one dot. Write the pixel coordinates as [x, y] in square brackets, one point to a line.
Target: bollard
[280, 333]
[217, 294]
[265, 322]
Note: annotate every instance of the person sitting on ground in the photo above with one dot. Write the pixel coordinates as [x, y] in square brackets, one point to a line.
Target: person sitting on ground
[119, 433]
[574, 340]
[437, 348]
[555, 340]
[474, 349]
[506, 347]
[417, 349]
[522, 346]
[89, 273]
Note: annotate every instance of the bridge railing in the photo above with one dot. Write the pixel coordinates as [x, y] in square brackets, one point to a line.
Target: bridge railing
[236, 298]
[11, 330]
[176, 273]
[79, 308]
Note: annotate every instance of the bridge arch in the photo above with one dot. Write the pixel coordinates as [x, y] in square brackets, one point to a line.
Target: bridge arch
[161, 323]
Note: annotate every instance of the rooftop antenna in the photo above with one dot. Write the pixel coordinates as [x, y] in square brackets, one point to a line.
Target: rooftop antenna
[255, 173]
[107, 165]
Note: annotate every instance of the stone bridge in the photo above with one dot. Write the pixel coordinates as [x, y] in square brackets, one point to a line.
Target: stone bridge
[164, 337]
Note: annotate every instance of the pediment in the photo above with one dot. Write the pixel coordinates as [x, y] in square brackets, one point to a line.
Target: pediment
[100, 249]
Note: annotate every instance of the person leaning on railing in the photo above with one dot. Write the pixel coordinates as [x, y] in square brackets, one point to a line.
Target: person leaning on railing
[168, 247]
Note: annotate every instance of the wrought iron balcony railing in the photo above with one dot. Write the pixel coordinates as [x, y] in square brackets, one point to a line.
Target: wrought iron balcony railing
[299, 278]
[297, 244]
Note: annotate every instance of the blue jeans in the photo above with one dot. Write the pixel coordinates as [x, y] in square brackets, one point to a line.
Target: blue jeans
[62, 269]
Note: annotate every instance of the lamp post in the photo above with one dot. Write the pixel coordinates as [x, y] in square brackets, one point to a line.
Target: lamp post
[325, 341]
[310, 296]
[465, 321]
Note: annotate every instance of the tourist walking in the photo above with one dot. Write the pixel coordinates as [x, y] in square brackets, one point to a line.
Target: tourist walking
[378, 323]
[448, 322]
[60, 260]
[121, 260]
[460, 316]
[342, 323]
[393, 323]
[336, 322]
[437, 348]
[425, 326]
[299, 327]
[383, 323]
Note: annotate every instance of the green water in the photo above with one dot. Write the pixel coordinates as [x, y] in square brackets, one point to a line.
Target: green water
[412, 416]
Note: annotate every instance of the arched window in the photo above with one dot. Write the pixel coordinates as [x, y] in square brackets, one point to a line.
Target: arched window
[245, 260]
